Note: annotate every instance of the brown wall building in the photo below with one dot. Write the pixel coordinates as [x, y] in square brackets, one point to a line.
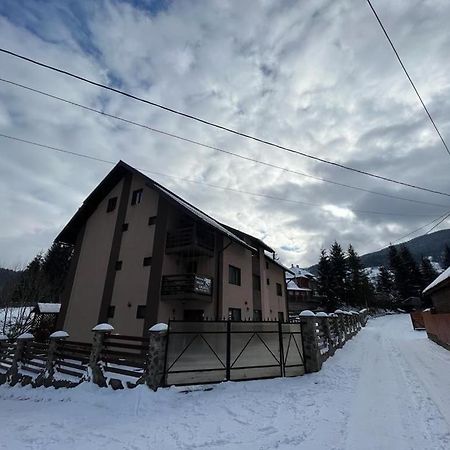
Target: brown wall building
[143, 255]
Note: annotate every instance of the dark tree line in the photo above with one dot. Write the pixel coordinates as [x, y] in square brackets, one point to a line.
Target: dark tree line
[343, 281]
[42, 279]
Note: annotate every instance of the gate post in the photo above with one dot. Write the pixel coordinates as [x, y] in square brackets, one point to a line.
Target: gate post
[313, 359]
[157, 347]
[96, 370]
[3, 349]
[228, 355]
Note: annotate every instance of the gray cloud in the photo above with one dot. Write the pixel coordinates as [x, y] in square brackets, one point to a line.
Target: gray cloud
[317, 76]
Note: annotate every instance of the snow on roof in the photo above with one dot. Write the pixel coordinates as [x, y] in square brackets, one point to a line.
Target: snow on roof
[204, 217]
[440, 279]
[299, 272]
[292, 286]
[49, 308]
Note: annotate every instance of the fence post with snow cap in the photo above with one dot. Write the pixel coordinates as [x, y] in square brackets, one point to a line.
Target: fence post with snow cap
[3, 352]
[324, 318]
[341, 327]
[157, 346]
[95, 366]
[46, 378]
[313, 358]
[13, 375]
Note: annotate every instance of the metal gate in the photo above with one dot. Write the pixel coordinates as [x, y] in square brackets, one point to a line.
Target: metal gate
[210, 352]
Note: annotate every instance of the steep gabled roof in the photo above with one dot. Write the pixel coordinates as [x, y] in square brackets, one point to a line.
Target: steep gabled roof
[70, 231]
[440, 280]
[243, 235]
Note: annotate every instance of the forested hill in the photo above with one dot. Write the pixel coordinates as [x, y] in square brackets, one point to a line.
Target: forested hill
[6, 275]
[427, 245]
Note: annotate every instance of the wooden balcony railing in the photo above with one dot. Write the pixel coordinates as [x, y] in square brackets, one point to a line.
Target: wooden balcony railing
[191, 238]
[186, 285]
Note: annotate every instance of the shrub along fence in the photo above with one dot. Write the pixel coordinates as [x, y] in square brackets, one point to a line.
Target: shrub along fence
[181, 353]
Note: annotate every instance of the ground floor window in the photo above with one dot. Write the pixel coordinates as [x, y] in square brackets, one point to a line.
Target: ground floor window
[193, 314]
[281, 316]
[257, 315]
[234, 313]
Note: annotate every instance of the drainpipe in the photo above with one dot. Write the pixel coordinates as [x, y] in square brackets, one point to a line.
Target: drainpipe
[219, 253]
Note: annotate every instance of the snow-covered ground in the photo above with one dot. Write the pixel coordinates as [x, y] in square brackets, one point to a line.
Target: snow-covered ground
[388, 388]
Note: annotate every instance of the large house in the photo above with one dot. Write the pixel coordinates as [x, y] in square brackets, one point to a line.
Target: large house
[144, 255]
[302, 291]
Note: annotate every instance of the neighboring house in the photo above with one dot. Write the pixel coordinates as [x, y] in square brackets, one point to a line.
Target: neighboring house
[302, 291]
[439, 291]
[144, 255]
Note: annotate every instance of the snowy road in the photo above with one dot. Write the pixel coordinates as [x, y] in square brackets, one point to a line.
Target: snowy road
[388, 388]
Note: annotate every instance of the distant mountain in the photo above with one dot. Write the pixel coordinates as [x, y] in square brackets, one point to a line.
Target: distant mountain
[7, 275]
[426, 245]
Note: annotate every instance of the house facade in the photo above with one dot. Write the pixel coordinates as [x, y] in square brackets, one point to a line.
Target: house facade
[143, 255]
[302, 291]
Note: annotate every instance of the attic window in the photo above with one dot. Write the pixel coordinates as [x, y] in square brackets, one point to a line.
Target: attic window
[118, 265]
[152, 220]
[136, 197]
[112, 202]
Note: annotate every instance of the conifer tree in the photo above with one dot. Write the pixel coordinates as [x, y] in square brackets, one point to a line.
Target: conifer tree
[428, 274]
[325, 280]
[445, 263]
[357, 278]
[339, 273]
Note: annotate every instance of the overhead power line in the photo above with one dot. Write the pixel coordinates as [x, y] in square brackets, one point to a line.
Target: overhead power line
[215, 148]
[437, 224]
[255, 194]
[221, 127]
[408, 76]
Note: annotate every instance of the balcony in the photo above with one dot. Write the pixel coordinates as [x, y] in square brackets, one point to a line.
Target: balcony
[190, 241]
[188, 286]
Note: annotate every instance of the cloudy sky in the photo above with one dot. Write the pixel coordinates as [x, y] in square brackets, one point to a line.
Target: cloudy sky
[317, 76]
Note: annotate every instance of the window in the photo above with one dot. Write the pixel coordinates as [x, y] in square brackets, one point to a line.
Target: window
[191, 267]
[147, 261]
[279, 290]
[111, 311]
[257, 315]
[118, 265]
[140, 312]
[234, 314]
[152, 220]
[267, 264]
[281, 316]
[112, 202]
[193, 315]
[136, 197]
[268, 282]
[234, 275]
[124, 227]
[256, 283]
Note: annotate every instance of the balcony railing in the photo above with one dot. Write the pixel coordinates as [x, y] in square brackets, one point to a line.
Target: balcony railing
[190, 240]
[187, 286]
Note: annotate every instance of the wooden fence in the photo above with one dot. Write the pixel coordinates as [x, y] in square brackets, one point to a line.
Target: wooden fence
[179, 353]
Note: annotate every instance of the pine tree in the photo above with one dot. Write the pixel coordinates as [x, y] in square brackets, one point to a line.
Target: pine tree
[324, 280]
[414, 276]
[386, 287]
[446, 257]
[55, 266]
[339, 273]
[357, 278]
[428, 274]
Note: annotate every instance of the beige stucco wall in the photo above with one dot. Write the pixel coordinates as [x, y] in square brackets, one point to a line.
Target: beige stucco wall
[236, 296]
[87, 290]
[131, 282]
[276, 303]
